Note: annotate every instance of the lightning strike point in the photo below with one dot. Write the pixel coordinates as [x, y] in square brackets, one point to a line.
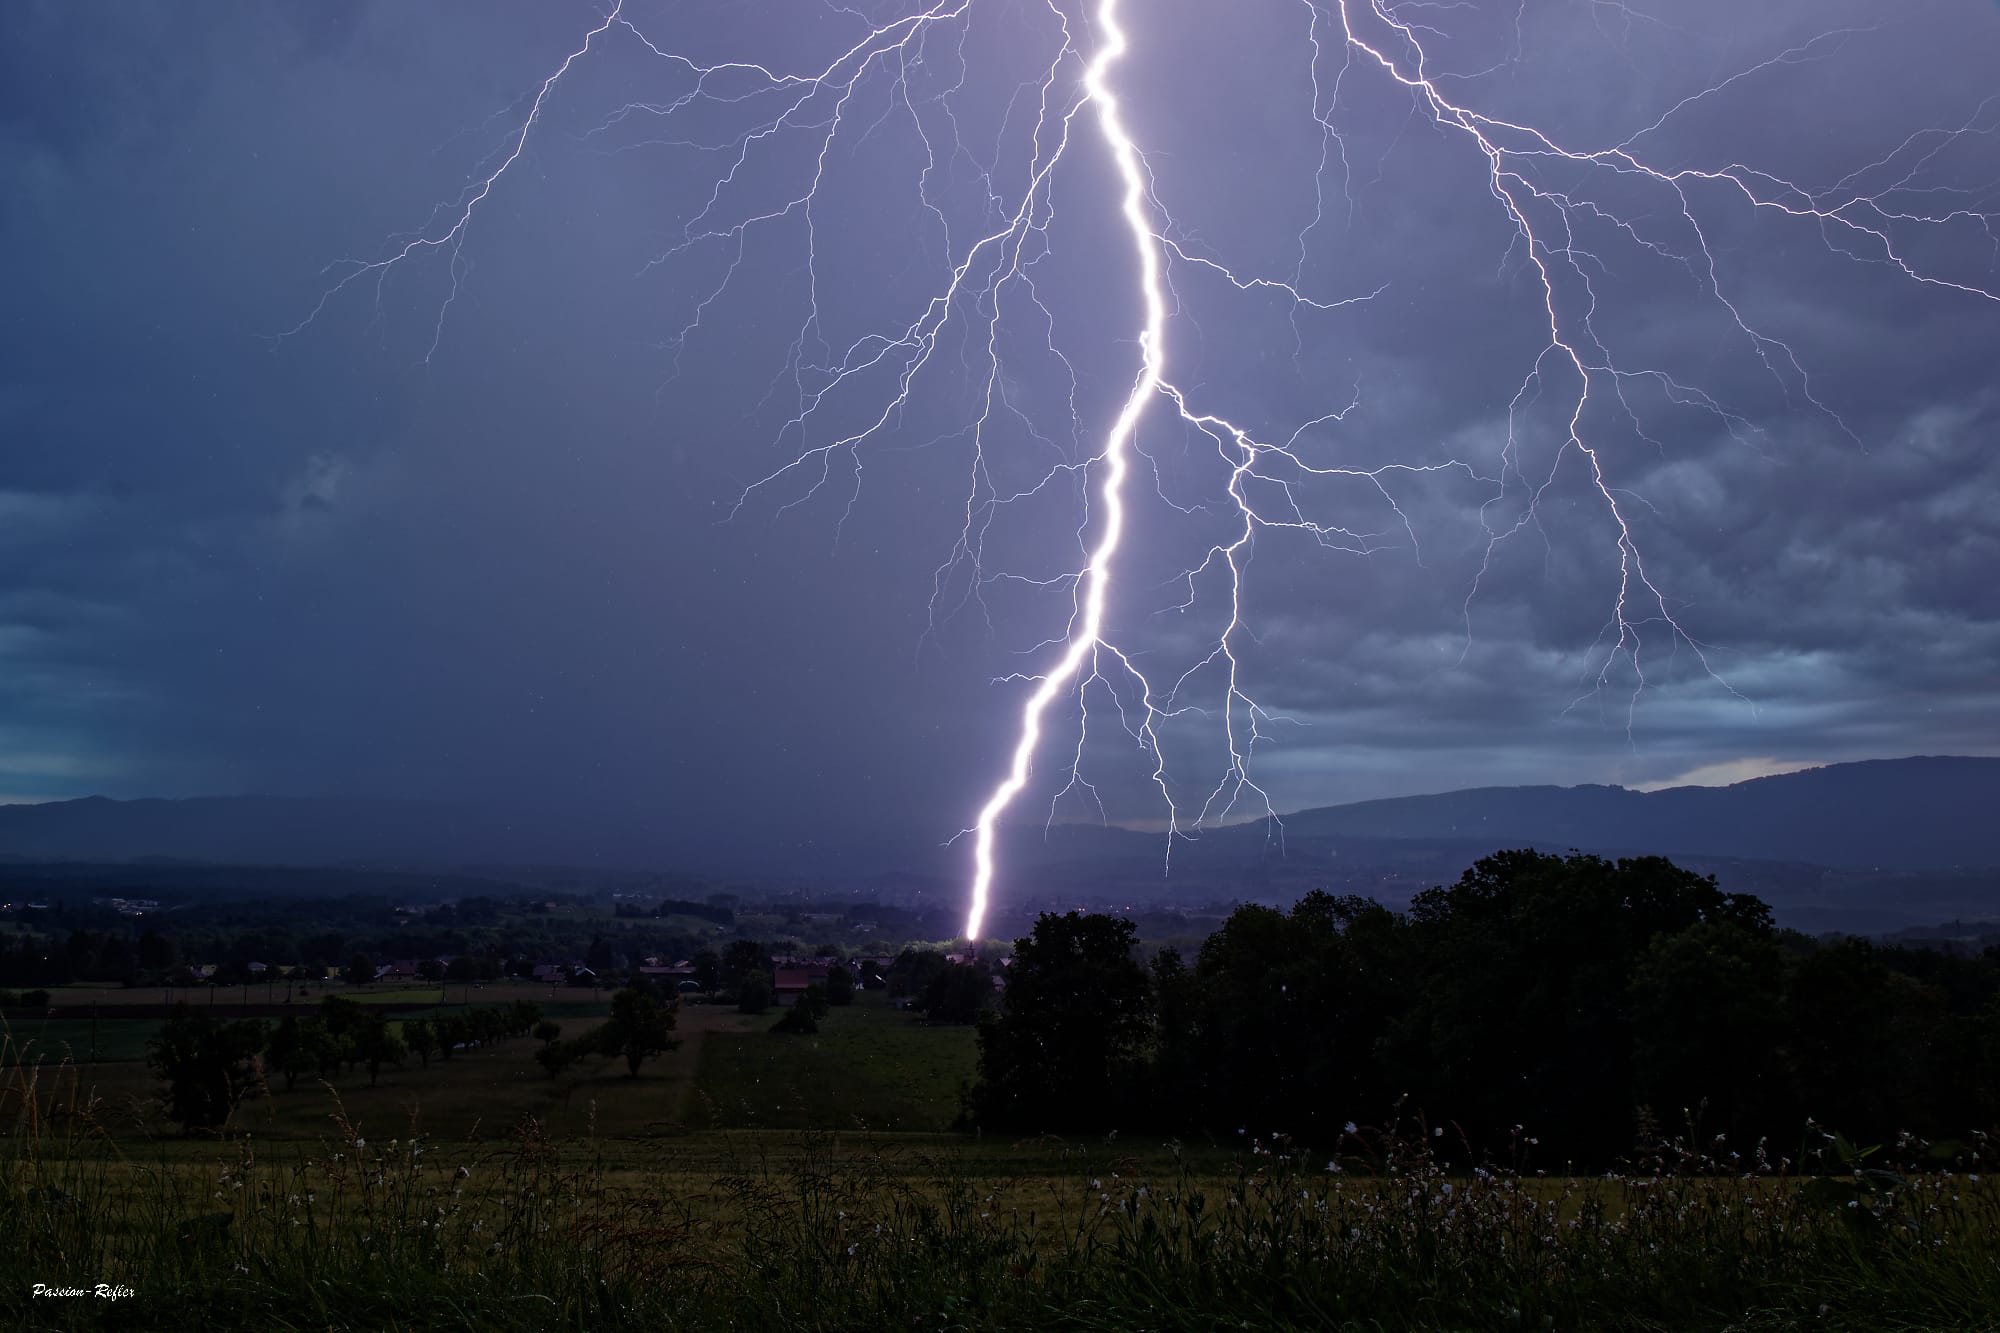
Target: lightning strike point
[778, 137]
[1087, 629]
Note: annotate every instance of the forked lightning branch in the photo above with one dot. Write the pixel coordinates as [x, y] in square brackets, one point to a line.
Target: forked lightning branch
[1549, 189]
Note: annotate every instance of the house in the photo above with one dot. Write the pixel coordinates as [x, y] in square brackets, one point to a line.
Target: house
[790, 982]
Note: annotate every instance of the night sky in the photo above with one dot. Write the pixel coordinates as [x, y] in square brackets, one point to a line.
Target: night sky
[486, 524]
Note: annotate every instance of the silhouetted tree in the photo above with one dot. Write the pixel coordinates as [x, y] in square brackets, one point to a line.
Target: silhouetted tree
[1524, 1009]
[1063, 1050]
[420, 1037]
[639, 1029]
[753, 995]
[957, 994]
[208, 1066]
[740, 960]
[1707, 1023]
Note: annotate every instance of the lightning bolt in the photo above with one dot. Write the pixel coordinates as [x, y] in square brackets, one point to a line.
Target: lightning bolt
[774, 140]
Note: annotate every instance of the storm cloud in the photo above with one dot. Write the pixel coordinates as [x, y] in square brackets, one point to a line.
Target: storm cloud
[476, 527]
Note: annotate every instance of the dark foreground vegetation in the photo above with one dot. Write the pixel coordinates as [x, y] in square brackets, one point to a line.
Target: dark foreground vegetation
[1560, 1094]
[810, 1233]
[1599, 1005]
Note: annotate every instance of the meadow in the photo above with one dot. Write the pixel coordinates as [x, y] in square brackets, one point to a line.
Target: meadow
[755, 1181]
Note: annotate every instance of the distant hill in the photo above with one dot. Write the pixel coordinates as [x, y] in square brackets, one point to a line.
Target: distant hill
[380, 833]
[1866, 846]
[1930, 813]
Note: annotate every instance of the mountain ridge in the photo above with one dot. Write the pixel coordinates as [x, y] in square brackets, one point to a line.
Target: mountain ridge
[1925, 812]
[1920, 813]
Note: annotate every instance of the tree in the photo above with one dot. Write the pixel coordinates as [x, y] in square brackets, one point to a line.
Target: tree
[600, 957]
[741, 959]
[1525, 1008]
[208, 1066]
[1706, 1022]
[1284, 1018]
[708, 970]
[344, 1019]
[522, 1015]
[430, 969]
[640, 1028]
[956, 994]
[420, 1037]
[378, 1045]
[913, 970]
[753, 996]
[839, 985]
[452, 1033]
[363, 1034]
[547, 1031]
[359, 970]
[156, 952]
[1064, 1050]
[286, 1050]
[801, 1019]
[1858, 1043]
[560, 1055]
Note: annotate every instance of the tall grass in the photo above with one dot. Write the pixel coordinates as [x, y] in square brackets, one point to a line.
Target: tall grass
[515, 1231]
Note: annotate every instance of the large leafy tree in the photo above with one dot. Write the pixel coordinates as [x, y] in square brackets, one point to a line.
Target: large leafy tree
[640, 1028]
[301, 1045]
[957, 994]
[1706, 1016]
[209, 1066]
[1526, 1009]
[1861, 1042]
[1065, 1048]
[1282, 1025]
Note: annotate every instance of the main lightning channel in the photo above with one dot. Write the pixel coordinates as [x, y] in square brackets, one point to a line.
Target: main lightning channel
[1087, 627]
[777, 150]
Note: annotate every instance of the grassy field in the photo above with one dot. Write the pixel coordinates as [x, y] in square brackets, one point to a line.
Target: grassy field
[755, 1181]
[108, 997]
[869, 1067]
[78, 1040]
[755, 1230]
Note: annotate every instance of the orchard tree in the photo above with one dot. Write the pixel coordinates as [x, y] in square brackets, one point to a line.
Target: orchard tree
[753, 995]
[421, 1038]
[209, 1066]
[640, 1028]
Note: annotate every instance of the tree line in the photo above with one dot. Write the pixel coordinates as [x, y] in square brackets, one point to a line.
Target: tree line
[208, 1066]
[1589, 1003]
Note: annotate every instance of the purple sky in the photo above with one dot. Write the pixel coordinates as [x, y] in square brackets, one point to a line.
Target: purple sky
[489, 544]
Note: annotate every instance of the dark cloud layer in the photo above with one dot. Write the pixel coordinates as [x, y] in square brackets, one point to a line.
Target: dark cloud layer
[513, 566]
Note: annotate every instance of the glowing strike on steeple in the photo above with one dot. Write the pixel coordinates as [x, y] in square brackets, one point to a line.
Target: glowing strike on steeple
[1086, 629]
